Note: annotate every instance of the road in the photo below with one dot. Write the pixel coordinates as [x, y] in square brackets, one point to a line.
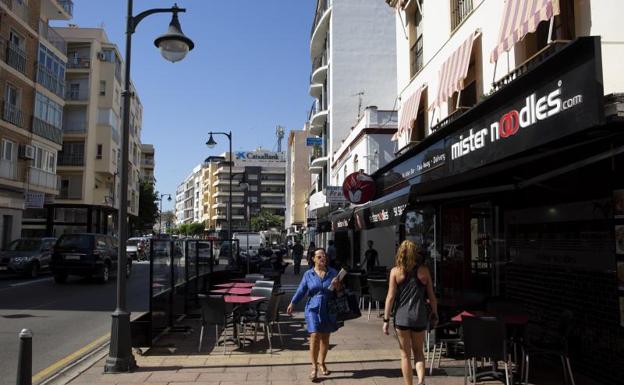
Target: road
[63, 318]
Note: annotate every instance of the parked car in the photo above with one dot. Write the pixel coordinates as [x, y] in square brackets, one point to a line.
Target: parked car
[137, 248]
[86, 255]
[28, 256]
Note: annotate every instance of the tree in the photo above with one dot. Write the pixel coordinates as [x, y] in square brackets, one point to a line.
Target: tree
[196, 228]
[183, 229]
[148, 209]
[265, 220]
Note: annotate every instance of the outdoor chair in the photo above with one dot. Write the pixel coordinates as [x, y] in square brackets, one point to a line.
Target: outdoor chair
[261, 291]
[214, 312]
[353, 282]
[268, 318]
[484, 339]
[445, 334]
[252, 278]
[548, 346]
[378, 289]
[270, 284]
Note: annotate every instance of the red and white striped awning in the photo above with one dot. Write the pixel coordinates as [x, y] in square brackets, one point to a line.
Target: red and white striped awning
[454, 70]
[407, 115]
[519, 18]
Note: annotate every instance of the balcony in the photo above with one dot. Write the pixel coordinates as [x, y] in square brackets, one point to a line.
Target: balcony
[320, 27]
[318, 162]
[459, 11]
[40, 178]
[20, 9]
[57, 9]
[14, 56]
[319, 70]
[77, 95]
[75, 128]
[71, 159]
[78, 62]
[68, 6]
[46, 130]
[52, 37]
[8, 169]
[50, 81]
[318, 117]
[12, 114]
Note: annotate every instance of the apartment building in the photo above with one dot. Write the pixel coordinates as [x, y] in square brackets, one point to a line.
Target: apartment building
[32, 70]
[510, 162]
[353, 55]
[297, 179]
[148, 163]
[89, 163]
[189, 198]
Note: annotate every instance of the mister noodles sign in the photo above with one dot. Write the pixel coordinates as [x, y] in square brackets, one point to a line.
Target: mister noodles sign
[558, 98]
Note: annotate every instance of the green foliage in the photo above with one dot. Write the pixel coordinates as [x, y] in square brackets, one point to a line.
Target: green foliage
[183, 229]
[266, 220]
[196, 228]
[148, 209]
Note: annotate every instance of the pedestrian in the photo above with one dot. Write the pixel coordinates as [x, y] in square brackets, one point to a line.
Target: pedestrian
[297, 254]
[331, 253]
[408, 288]
[318, 284]
[310, 256]
[371, 256]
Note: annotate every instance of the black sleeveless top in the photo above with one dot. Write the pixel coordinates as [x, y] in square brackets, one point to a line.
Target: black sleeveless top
[410, 304]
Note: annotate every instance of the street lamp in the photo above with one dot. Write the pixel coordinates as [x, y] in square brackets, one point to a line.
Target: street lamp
[211, 143]
[173, 46]
[168, 200]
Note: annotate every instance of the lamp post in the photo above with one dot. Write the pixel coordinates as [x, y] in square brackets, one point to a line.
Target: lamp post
[160, 212]
[211, 143]
[174, 46]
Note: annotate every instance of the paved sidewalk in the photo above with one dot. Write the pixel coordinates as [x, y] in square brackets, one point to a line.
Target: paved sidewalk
[359, 354]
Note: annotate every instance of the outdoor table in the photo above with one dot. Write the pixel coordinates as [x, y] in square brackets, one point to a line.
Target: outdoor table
[515, 319]
[234, 284]
[241, 299]
[233, 291]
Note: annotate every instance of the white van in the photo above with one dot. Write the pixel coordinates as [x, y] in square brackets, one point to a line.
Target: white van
[249, 242]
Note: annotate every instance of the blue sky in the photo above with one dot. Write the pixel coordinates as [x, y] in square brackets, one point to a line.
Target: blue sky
[249, 72]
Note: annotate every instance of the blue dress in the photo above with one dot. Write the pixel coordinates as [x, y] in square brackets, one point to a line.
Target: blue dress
[317, 316]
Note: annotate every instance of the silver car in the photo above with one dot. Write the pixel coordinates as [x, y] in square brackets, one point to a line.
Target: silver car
[27, 256]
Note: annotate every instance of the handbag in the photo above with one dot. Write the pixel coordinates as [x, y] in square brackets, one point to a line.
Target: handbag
[344, 305]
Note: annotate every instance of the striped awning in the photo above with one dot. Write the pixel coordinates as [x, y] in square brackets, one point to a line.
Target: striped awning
[407, 115]
[454, 70]
[519, 18]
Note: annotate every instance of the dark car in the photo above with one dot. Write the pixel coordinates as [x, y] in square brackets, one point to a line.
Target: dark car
[86, 255]
[28, 256]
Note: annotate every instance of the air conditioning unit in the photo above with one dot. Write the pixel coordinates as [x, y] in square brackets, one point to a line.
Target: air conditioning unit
[27, 151]
[101, 55]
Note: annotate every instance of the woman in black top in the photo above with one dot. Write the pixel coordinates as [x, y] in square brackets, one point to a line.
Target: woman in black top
[310, 257]
[410, 285]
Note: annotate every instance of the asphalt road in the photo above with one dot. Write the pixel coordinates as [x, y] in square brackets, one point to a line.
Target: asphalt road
[63, 318]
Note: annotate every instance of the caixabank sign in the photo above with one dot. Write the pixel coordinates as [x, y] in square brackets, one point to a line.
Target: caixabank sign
[558, 98]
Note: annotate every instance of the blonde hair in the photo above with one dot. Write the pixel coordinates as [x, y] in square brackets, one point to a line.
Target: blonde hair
[408, 256]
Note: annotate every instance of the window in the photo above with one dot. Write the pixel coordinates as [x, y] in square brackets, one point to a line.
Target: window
[98, 154]
[470, 95]
[44, 159]
[48, 111]
[356, 163]
[253, 187]
[8, 150]
[420, 123]
[345, 171]
[416, 40]
[12, 96]
[17, 40]
[102, 87]
[459, 11]
[252, 176]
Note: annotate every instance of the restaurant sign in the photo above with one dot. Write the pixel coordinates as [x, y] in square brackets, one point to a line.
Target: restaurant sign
[548, 103]
[358, 188]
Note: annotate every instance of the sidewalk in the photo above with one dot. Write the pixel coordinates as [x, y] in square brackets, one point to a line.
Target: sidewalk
[359, 354]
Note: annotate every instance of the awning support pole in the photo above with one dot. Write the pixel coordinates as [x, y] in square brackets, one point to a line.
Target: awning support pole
[550, 30]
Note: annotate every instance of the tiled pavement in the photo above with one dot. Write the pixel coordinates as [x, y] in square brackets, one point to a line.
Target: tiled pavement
[360, 354]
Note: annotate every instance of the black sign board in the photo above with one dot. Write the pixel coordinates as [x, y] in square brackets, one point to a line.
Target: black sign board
[342, 220]
[560, 97]
[386, 211]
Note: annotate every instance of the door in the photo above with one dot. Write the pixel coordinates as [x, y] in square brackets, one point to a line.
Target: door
[7, 230]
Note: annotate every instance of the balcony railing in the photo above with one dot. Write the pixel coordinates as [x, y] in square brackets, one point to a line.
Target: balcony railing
[67, 5]
[50, 81]
[12, 114]
[459, 10]
[75, 128]
[46, 130]
[20, 9]
[43, 178]
[8, 169]
[322, 6]
[14, 56]
[70, 159]
[77, 95]
[49, 34]
[78, 61]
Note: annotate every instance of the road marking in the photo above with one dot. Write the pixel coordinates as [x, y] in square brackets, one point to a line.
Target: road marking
[31, 282]
[69, 359]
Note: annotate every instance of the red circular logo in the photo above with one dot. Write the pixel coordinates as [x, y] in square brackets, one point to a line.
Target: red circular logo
[358, 188]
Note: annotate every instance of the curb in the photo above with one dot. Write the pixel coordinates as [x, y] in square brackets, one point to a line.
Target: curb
[76, 368]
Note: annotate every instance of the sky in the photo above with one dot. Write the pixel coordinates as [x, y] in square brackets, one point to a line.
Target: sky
[248, 73]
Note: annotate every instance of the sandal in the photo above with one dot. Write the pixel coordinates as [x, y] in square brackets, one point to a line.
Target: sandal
[313, 374]
[324, 370]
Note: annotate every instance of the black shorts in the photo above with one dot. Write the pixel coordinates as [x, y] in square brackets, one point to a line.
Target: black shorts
[414, 329]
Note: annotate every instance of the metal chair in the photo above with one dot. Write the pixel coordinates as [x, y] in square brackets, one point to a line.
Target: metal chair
[378, 289]
[214, 312]
[484, 338]
[261, 291]
[444, 335]
[353, 282]
[268, 318]
[252, 278]
[270, 284]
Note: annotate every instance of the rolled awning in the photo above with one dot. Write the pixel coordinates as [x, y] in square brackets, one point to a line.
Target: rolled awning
[519, 18]
[454, 70]
[407, 115]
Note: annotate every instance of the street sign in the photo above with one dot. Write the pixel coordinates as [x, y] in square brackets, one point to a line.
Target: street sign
[335, 195]
[314, 141]
[34, 200]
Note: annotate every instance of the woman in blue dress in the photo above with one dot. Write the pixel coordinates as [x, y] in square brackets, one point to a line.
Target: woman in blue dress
[318, 284]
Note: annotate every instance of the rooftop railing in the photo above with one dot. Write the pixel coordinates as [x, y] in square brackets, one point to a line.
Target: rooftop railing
[49, 34]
